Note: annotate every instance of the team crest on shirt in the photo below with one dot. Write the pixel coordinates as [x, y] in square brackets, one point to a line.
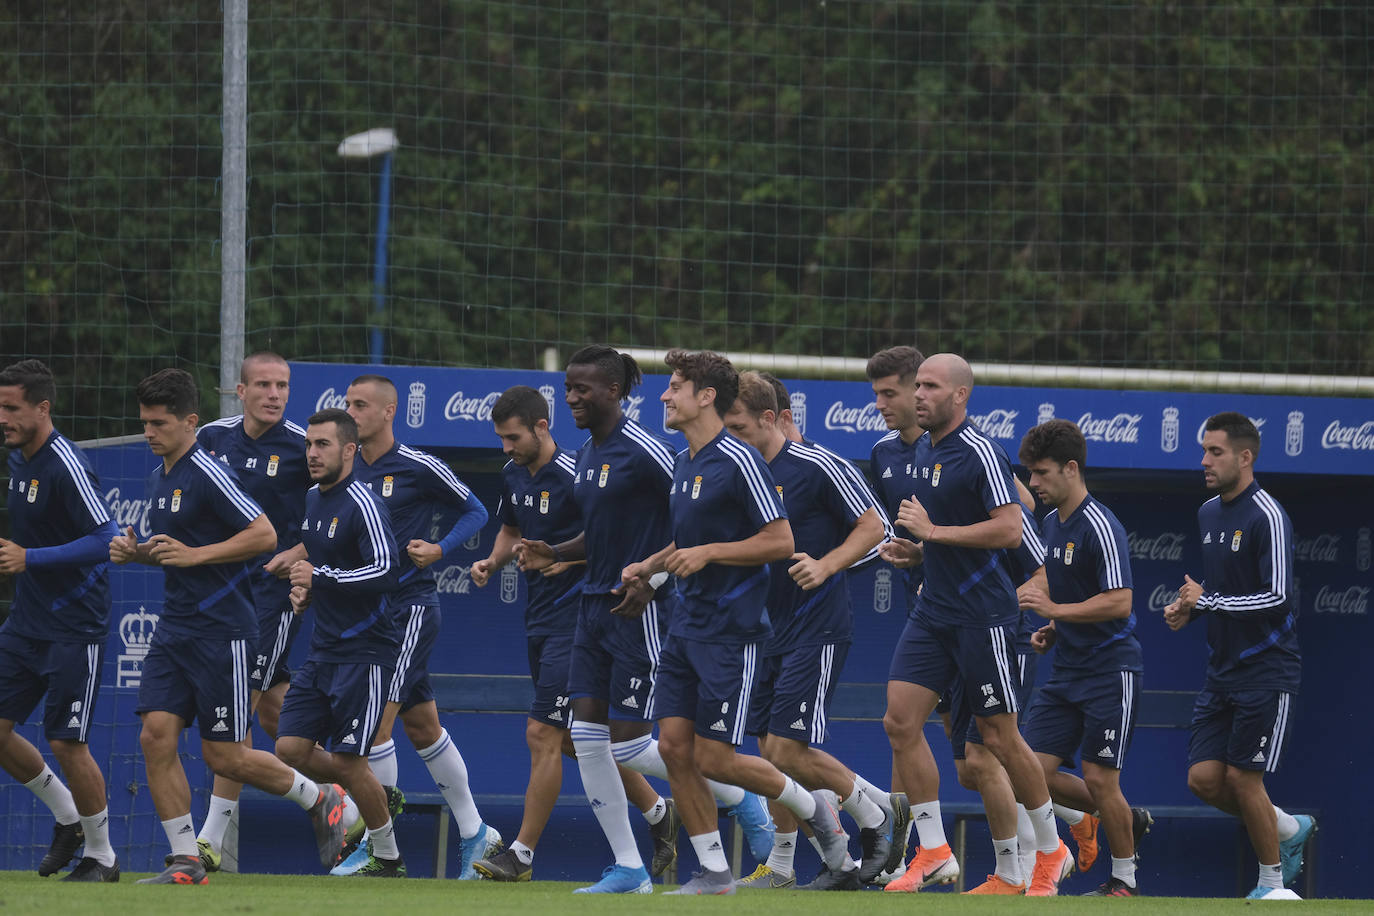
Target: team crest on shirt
[1235, 541]
[176, 501]
[33, 490]
[1068, 554]
[696, 487]
[334, 526]
[778, 487]
[388, 484]
[272, 462]
[935, 478]
[605, 473]
[543, 502]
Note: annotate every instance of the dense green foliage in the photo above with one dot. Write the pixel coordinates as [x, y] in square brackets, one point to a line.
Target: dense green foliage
[1152, 184]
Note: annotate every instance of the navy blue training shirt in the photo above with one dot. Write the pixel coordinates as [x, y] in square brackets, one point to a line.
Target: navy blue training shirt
[541, 506]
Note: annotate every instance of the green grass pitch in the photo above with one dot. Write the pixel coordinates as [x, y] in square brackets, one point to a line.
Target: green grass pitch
[25, 892]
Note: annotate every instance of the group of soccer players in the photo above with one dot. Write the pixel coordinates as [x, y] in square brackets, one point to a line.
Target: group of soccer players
[704, 593]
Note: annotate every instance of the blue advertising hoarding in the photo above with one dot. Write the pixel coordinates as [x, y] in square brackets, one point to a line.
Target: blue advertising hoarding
[451, 408]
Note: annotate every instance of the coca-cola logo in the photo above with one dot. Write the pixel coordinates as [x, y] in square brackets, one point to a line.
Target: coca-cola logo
[1352, 600]
[1124, 428]
[1162, 597]
[331, 399]
[865, 419]
[130, 512]
[998, 423]
[1258, 421]
[1324, 548]
[454, 580]
[1167, 545]
[632, 406]
[460, 407]
[1359, 437]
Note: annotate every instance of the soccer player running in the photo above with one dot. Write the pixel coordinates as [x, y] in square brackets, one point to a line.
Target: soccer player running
[329, 717]
[537, 502]
[834, 526]
[266, 453]
[1088, 706]
[620, 625]
[1241, 717]
[413, 484]
[205, 532]
[53, 641]
[965, 511]
[728, 524]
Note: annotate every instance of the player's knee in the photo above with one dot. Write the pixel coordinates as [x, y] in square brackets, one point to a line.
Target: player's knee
[69, 752]
[1205, 784]
[542, 740]
[900, 729]
[422, 734]
[967, 775]
[291, 752]
[675, 751]
[1101, 782]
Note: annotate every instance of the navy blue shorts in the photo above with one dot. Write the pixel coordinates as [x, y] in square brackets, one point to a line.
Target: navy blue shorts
[932, 654]
[963, 728]
[201, 680]
[616, 659]
[709, 684]
[1245, 728]
[69, 673]
[276, 632]
[410, 684]
[549, 658]
[336, 704]
[1092, 715]
[792, 693]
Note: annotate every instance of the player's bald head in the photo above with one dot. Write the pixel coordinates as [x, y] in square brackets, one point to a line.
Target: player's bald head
[951, 367]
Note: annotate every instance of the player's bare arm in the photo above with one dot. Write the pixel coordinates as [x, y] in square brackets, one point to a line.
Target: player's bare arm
[280, 564]
[1001, 531]
[811, 572]
[902, 553]
[537, 555]
[770, 543]
[506, 546]
[256, 539]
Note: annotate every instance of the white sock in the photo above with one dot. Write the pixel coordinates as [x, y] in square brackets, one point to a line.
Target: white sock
[710, 851]
[657, 811]
[930, 827]
[384, 841]
[54, 794]
[382, 760]
[1270, 875]
[1008, 862]
[351, 812]
[217, 817]
[796, 799]
[784, 850]
[1124, 870]
[879, 795]
[522, 852]
[304, 791]
[97, 829]
[1069, 816]
[1046, 834]
[641, 755]
[863, 809]
[1025, 841]
[450, 774]
[605, 792]
[1288, 824]
[181, 834]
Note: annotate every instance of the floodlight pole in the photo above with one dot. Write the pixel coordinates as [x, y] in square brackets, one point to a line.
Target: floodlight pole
[379, 259]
